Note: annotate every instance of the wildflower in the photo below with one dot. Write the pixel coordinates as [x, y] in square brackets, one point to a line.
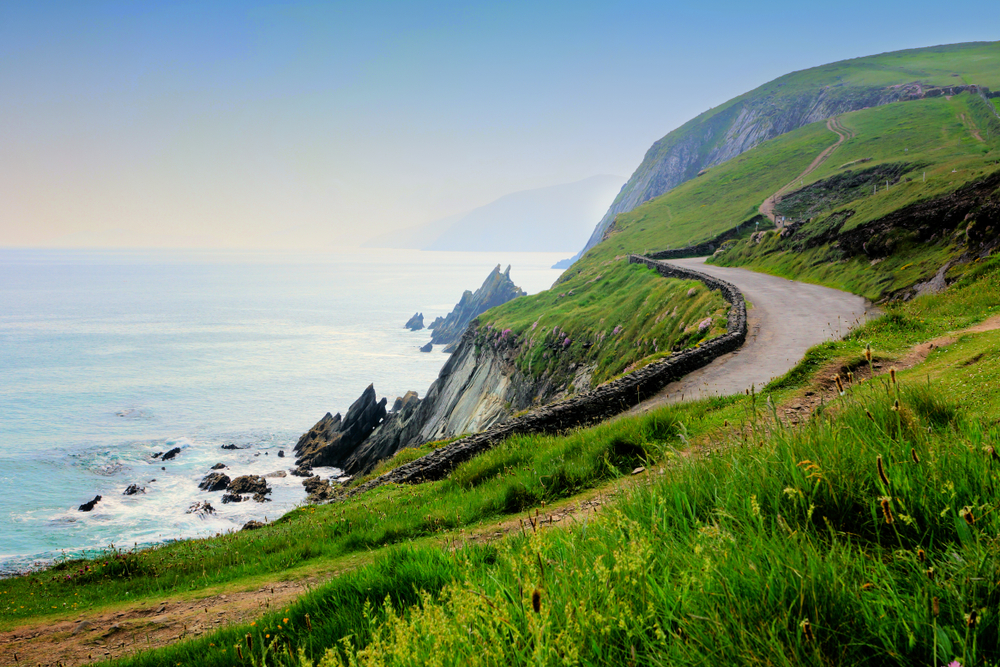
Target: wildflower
[886, 510]
[921, 556]
[868, 352]
[249, 639]
[285, 621]
[840, 385]
[881, 470]
[536, 601]
[869, 415]
[991, 452]
[967, 515]
[850, 377]
[930, 573]
[895, 405]
[972, 618]
[892, 374]
[936, 606]
[913, 455]
[309, 625]
[239, 651]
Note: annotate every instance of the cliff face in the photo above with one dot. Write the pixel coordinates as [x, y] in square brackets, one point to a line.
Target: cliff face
[496, 290]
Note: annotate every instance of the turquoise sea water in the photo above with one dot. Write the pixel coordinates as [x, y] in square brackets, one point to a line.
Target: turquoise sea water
[109, 357]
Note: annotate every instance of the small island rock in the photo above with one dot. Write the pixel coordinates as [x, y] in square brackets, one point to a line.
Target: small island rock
[89, 505]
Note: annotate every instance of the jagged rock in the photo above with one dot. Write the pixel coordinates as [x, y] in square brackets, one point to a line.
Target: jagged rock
[281, 453]
[247, 484]
[214, 481]
[261, 497]
[398, 429]
[303, 470]
[252, 525]
[202, 508]
[218, 466]
[171, 454]
[89, 505]
[317, 489]
[427, 348]
[231, 498]
[231, 446]
[415, 323]
[497, 289]
[133, 489]
[333, 439]
[157, 455]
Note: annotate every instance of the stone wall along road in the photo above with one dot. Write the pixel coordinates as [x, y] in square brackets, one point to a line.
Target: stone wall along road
[784, 317]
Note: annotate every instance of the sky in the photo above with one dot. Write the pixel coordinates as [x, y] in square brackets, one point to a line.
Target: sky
[317, 125]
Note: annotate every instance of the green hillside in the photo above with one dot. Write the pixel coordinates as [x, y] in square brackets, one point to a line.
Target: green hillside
[793, 100]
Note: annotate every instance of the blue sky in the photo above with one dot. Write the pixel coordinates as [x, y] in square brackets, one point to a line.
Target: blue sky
[320, 124]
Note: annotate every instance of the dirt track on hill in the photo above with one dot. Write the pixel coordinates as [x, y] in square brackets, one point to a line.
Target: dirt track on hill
[785, 318]
[834, 125]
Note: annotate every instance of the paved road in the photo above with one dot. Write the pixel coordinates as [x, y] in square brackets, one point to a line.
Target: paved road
[785, 318]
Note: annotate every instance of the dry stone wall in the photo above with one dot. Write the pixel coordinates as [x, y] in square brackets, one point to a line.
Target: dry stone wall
[592, 406]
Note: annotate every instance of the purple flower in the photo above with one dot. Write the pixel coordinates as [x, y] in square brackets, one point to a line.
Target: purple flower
[534, 325]
[566, 342]
[506, 332]
[617, 330]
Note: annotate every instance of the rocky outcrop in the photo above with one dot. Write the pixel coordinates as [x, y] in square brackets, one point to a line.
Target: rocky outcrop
[249, 484]
[214, 481]
[415, 323]
[89, 505]
[400, 427]
[427, 348]
[171, 454]
[497, 289]
[202, 508]
[133, 489]
[333, 439]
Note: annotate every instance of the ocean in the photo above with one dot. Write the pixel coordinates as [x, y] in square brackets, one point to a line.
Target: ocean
[107, 357]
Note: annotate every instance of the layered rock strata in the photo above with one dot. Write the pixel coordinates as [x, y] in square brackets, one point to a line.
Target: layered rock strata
[496, 290]
[332, 440]
[592, 406]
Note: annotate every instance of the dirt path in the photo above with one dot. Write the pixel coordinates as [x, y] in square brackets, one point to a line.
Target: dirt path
[843, 134]
[785, 318]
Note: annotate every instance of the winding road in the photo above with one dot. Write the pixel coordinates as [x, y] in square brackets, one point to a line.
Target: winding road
[785, 318]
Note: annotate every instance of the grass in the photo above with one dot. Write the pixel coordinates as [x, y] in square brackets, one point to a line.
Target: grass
[610, 319]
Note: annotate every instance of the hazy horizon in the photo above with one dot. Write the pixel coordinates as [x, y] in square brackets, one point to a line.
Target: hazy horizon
[288, 125]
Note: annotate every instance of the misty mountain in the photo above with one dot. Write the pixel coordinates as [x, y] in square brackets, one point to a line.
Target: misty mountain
[556, 218]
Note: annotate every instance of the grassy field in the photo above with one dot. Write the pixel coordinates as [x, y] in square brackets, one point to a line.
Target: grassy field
[865, 536]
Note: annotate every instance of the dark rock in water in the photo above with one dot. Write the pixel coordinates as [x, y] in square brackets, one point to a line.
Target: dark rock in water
[303, 470]
[317, 489]
[231, 498]
[157, 455]
[281, 453]
[133, 489]
[252, 525]
[415, 323]
[333, 439]
[497, 289]
[171, 454]
[276, 474]
[87, 506]
[230, 446]
[247, 484]
[400, 427]
[202, 508]
[261, 497]
[214, 481]
[218, 466]
[427, 348]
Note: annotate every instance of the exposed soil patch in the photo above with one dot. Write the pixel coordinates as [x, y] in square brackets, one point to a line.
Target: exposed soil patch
[113, 634]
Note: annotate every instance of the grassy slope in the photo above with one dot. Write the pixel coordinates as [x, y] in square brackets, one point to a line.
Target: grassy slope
[719, 559]
[622, 314]
[974, 63]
